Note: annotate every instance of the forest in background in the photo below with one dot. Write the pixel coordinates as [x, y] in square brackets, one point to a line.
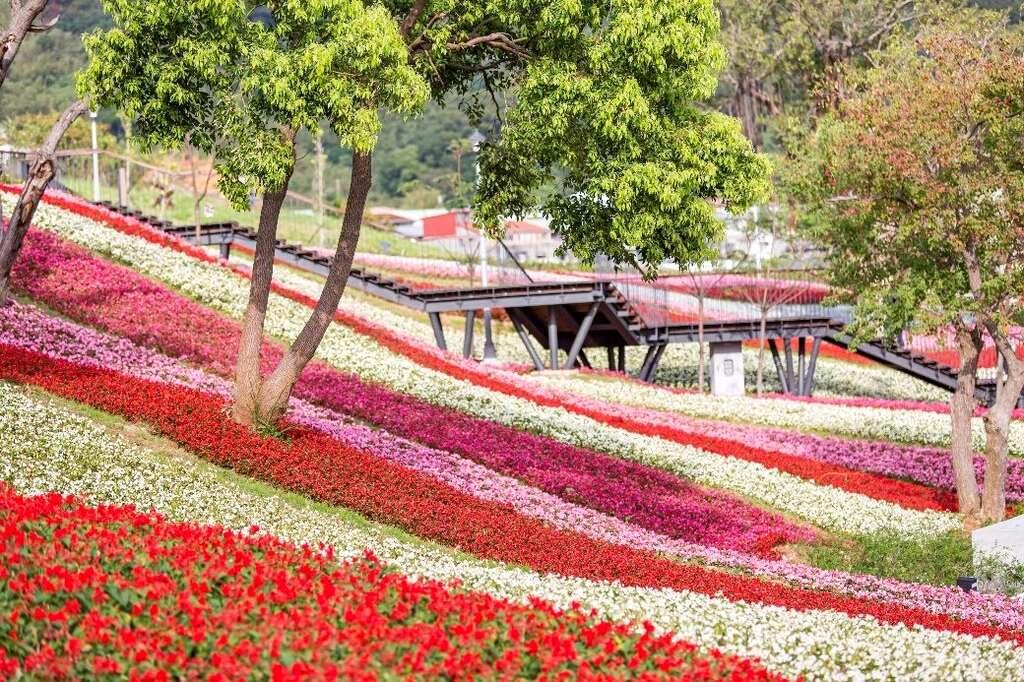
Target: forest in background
[782, 59]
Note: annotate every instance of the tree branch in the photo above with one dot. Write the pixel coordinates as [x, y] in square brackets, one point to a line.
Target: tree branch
[502, 41]
[412, 17]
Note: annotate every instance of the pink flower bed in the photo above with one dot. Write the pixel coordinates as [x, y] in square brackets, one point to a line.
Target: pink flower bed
[880, 487]
[26, 327]
[78, 285]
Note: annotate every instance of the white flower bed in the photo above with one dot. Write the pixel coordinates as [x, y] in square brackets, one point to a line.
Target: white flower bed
[215, 286]
[48, 448]
[872, 423]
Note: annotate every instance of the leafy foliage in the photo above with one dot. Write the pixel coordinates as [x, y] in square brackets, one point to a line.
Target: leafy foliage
[602, 132]
[208, 74]
[917, 180]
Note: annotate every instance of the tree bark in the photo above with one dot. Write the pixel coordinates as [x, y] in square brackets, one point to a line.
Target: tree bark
[746, 109]
[276, 390]
[700, 340]
[22, 22]
[962, 405]
[248, 374]
[1009, 383]
[761, 339]
[41, 172]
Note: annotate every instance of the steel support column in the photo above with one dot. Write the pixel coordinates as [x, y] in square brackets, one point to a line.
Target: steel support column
[611, 358]
[225, 250]
[581, 335]
[801, 351]
[553, 337]
[787, 342]
[809, 381]
[651, 362]
[513, 315]
[467, 335]
[778, 365]
[435, 323]
[583, 360]
[622, 359]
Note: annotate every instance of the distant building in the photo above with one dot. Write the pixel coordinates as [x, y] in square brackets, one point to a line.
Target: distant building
[528, 240]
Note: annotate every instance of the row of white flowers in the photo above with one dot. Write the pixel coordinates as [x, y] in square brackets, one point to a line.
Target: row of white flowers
[222, 289]
[872, 423]
[46, 448]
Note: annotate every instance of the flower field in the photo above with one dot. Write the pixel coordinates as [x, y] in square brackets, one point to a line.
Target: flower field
[420, 514]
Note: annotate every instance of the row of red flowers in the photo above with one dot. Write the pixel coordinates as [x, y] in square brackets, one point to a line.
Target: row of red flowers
[135, 290]
[72, 281]
[94, 592]
[324, 469]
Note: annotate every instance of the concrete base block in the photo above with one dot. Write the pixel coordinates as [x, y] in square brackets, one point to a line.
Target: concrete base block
[727, 369]
[999, 556]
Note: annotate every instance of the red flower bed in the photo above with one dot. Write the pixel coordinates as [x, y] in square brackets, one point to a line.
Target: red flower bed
[907, 494]
[108, 591]
[79, 285]
[324, 469]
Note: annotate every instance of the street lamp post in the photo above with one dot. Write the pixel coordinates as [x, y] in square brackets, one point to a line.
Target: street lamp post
[95, 158]
[490, 353]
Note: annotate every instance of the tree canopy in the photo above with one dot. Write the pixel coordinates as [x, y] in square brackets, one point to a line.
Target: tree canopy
[915, 185]
[240, 89]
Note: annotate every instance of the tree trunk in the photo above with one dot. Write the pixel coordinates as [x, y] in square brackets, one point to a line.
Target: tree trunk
[248, 376]
[700, 340]
[746, 107]
[23, 16]
[761, 337]
[42, 171]
[961, 410]
[274, 394]
[1009, 384]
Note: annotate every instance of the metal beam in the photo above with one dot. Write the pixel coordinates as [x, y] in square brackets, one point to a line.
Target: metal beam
[513, 315]
[787, 347]
[581, 335]
[553, 337]
[809, 382]
[467, 335]
[801, 351]
[225, 250]
[648, 358]
[622, 358]
[654, 354]
[435, 322]
[611, 358]
[584, 360]
[778, 365]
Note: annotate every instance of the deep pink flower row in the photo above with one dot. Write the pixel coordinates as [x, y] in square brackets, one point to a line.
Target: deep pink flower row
[26, 327]
[878, 487]
[115, 298]
[930, 466]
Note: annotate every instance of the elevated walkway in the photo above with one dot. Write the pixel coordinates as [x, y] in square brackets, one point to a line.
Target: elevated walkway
[571, 317]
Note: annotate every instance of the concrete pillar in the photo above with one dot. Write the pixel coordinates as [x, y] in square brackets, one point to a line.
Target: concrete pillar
[727, 368]
[999, 556]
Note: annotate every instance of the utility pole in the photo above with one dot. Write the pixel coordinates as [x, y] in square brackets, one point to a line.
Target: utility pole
[490, 353]
[95, 158]
[319, 187]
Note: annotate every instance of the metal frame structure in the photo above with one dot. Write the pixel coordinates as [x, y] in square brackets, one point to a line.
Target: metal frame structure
[571, 317]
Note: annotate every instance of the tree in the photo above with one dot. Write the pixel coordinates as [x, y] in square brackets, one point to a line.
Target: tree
[825, 37]
[261, 84]
[42, 170]
[606, 138]
[23, 20]
[27, 131]
[916, 187]
[603, 133]
[754, 45]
